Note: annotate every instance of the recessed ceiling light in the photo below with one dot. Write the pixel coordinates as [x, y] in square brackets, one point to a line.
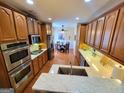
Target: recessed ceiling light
[49, 19]
[30, 2]
[77, 18]
[87, 0]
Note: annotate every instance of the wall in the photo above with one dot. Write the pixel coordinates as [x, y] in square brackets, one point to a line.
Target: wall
[65, 36]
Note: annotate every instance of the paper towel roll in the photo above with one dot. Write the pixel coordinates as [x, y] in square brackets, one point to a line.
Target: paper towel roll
[118, 72]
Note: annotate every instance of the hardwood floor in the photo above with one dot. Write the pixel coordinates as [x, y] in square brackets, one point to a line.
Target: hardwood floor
[59, 58]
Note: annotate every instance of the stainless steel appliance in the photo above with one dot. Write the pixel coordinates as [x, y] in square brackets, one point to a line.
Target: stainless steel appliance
[34, 39]
[18, 62]
[50, 47]
[21, 75]
[15, 54]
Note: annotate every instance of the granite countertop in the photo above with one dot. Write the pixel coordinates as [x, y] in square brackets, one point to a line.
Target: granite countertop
[94, 63]
[35, 56]
[76, 84]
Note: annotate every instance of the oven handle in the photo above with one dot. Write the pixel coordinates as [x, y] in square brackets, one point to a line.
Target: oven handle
[16, 50]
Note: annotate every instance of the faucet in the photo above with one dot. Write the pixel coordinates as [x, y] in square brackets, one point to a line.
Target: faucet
[93, 52]
[71, 68]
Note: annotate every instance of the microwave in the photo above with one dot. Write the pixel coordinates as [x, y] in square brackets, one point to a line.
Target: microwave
[33, 39]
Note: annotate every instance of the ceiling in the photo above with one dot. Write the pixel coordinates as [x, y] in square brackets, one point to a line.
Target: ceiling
[65, 11]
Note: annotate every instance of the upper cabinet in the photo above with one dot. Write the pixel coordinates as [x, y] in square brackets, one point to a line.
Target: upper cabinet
[118, 43]
[108, 31]
[82, 33]
[99, 30]
[39, 31]
[88, 33]
[21, 26]
[36, 27]
[93, 31]
[30, 26]
[44, 33]
[7, 30]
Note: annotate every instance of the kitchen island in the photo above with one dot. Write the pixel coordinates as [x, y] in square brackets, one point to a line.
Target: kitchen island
[57, 83]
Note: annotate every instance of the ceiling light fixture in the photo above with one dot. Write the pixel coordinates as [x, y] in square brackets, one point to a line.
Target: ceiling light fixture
[77, 18]
[49, 19]
[30, 2]
[87, 0]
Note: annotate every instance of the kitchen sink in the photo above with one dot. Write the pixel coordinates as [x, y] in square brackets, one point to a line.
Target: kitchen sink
[36, 52]
[73, 71]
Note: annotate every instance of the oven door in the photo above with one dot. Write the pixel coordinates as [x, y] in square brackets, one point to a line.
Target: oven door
[15, 57]
[20, 75]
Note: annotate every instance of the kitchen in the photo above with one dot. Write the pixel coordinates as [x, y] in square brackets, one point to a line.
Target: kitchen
[27, 48]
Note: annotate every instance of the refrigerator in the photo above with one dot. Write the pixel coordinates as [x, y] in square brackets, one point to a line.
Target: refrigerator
[50, 47]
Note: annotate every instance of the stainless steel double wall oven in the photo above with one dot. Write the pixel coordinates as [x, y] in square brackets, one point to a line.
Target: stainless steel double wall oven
[18, 62]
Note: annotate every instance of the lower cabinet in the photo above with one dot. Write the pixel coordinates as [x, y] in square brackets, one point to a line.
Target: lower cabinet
[39, 62]
[40, 59]
[4, 78]
[36, 66]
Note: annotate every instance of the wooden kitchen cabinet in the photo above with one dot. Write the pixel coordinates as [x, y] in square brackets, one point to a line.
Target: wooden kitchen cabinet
[4, 78]
[99, 31]
[93, 32]
[46, 57]
[89, 33]
[36, 27]
[39, 30]
[7, 29]
[36, 66]
[82, 34]
[117, 49]
[44, 33]
[86, 33]
[109, 26]
[30, 26]
[40, 61]
[21, 26]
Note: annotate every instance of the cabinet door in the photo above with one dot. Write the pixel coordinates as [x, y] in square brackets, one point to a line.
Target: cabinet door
[46, 57]
[44, 33]
[7, 30]
[86, 34]
[92, 37]
[99, 30]
[108, 31]
[30, 26]
[89, 33]
[40, 61]
[117, 49]
[39, 30]
[4, 80]
[82, 33]
[21, 26]
[35, 66]
[36, 27]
